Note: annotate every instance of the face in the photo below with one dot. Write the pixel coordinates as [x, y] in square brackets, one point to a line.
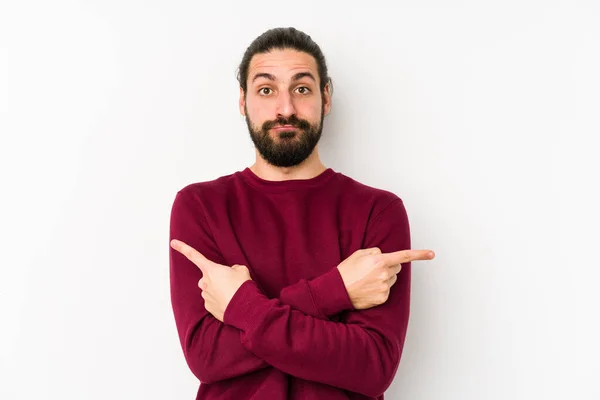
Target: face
[284, 106]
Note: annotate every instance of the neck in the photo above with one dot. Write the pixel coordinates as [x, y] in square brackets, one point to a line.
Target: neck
[308, 169]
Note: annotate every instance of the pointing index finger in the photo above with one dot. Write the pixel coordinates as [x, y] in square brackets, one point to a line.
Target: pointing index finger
[192, 254]
[404, 256]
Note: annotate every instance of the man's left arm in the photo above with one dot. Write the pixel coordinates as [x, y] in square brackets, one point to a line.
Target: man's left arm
[361, 353]
[322, 297]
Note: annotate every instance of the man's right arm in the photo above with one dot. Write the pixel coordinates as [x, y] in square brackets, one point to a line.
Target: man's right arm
[213, 350]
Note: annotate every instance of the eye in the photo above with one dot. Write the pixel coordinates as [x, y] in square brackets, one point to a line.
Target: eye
[264, 91]
[303, 90]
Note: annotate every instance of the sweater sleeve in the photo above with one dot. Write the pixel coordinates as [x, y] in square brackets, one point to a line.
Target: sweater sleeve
[212, 350]
[321, 297]
[361, 353]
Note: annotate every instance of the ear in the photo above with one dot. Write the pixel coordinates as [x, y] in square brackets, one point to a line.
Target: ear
[242, 102]
[327, 99]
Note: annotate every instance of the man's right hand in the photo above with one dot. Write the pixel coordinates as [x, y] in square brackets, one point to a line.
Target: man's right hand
[369, 274]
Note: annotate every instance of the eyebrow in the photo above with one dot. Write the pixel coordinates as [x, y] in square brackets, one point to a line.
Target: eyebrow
[296, 77]
[301, 75]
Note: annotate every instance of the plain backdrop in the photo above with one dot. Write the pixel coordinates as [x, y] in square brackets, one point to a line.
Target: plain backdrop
[481, 115]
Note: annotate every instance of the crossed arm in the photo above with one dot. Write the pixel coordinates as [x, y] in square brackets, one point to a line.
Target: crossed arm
[258, 332]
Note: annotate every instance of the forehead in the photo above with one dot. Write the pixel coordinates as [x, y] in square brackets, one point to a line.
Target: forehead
[282, 64]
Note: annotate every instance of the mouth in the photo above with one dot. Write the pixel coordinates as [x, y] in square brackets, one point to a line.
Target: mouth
[282, 128]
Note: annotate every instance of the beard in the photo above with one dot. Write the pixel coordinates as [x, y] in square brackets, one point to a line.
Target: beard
[292, 147]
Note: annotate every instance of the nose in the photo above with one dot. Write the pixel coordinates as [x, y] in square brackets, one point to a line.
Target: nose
[285, 105]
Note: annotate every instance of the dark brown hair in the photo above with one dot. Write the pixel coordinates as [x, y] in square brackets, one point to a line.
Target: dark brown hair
[283, 38]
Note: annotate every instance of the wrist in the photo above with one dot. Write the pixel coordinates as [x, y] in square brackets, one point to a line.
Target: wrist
[329, 293]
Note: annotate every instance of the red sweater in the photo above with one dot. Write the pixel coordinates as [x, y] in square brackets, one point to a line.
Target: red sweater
[291, 332]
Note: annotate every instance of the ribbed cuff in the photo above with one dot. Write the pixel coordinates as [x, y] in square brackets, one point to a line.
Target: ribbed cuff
[247, 308]
[329, 293]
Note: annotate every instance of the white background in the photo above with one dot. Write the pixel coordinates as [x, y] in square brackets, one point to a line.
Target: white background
[482, 116]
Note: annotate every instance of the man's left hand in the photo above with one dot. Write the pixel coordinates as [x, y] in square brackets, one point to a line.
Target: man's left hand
[219, 282]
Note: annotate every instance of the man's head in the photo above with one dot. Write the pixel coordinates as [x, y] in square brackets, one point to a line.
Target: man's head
[285, 93]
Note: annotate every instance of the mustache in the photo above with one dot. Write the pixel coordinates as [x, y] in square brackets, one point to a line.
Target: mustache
[292, 120]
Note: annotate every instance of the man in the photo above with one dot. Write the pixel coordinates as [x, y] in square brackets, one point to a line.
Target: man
[289, 280]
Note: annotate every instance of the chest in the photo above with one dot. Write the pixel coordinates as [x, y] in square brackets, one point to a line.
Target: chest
[280, 248]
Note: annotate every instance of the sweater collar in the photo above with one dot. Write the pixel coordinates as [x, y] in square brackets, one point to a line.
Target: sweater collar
[287, 185]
